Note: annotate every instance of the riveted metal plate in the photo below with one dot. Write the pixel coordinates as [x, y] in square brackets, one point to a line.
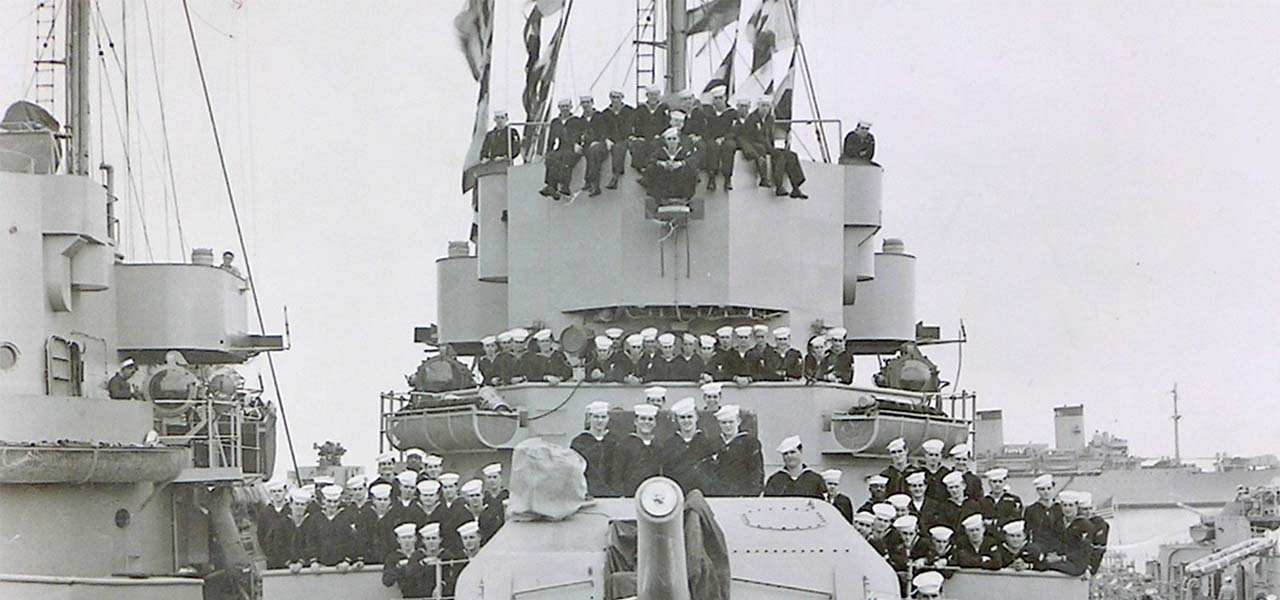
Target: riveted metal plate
[785, 518]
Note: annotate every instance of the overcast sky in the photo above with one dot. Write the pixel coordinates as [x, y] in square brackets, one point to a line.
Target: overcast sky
[1090, 186]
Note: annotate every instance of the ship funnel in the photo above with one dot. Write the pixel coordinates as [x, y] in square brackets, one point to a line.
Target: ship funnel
[661, 572]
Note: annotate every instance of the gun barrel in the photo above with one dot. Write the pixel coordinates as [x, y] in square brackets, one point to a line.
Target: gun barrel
[661, 571]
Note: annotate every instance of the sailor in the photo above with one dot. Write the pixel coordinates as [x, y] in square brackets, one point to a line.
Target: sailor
[1098, 531]
[898, 468]
[1016, 552]
[628, 367]
[859, 145]
[470, 539]
[597, 445]
[751, 139]
[840, 357]
[739, 463]
[883, 537]
[957, 507]
[449, 488]
[862, 522]
[479, 511]
[313, 502]
[764, 357]
[275, 511]
[374, 524]
[619, 118]
[594, 132]
[784, 160]
[975, 549]
[690, 363]
[601, 362]
[667, 365]
[636, 456]
[357, 492]
[505, 343]
[688, 455]
[671, 174]
[721, 144]
[649, 342]
[548, 364]
[792, 365]
[406, 507]
[962, 456]
[228, 263]
[386, 470]
[919, 504]
[503, 363]
[1000, 506]
[519, 349]
[740, 365]
[928, 585]
[877, 489]
[1065, 547]
[655, 395]
[709, 357]
[495, 491]
[502, 142]
[1041, 515]
[453, 511]
[118, 387]
[831, 477]
[724, 339]
[430, 504]
[328, 534]
[933, 468]
[795, 478]
[711, 395]
[404, 566]
[615, 336]
[649, 120]
[901, 504]
[915, 549]
[413, 459]
[941, 557]
[816, 367]
[564, 150]
[432, 467]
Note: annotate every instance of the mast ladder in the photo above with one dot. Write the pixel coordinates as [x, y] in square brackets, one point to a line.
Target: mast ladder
[646, 58]
[46, 40]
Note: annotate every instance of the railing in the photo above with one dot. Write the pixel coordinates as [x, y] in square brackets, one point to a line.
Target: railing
[818, 123]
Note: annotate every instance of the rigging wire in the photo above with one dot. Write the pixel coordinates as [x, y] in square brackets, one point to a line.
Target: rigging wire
[164, 128]
[626, 36]
[810, 92]
[128, 157]
[235, 215]
[44, 43]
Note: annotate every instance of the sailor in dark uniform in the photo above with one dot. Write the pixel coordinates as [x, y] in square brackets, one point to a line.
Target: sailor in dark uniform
[595, 142]
[406, 565]
[750, 139]
[432, 467]
[1098, 531]
[620, 118]
[884, 539]
[329, 534]
[564, 150]
[740, 364]
[688, 456]
[519, 350]
[597, 445]
[671, 172]
[548, 364]
[898, 468]
[941, 557]
[764, 357]
[862, 521]
[355, 502]
[503, 364]
[859, 145]
[709, 356]
[118, 387]
[597, 367]
[816, 367]
[795, 478]
[792, 365]
[831, 477]
[636, 457]
[473, 502]
[933, 468]
[785, 161]
[1000, 506]
[962, 456]
[469, 534]
[901, 504]
[452, 512]
[739, 462]
[374, 525]
[975, 549]
[928, 585]
[840, 357]
[877, 490]
[1015, 551]
[915, 549]
[691, 364]
[917, 491]
[649, 343]
[629, 366]
[502, 142]
[494, 488]
[274, 511]
[424, 498]
[957, 507]
[1044, 512]
[666, 366]
[721, 145]
[1066, 549]
[386, 471]
[356, 494]
[649, 120]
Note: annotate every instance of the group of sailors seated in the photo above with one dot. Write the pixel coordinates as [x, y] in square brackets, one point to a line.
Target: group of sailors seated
[420, 523]
[671, 143]
[741, 355]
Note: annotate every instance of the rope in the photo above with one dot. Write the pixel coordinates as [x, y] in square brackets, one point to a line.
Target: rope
[808, 83]
[44, 43]
[235, 215]
[164, 128]
[128, 160]
[622, 43]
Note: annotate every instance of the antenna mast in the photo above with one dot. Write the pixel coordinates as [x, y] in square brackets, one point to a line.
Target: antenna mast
[77, 59]
[1177, 448]
[677, 36]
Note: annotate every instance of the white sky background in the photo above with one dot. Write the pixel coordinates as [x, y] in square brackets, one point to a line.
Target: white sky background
[1091, 186]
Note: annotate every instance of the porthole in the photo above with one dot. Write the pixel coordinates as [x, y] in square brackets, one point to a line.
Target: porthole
[8, 356]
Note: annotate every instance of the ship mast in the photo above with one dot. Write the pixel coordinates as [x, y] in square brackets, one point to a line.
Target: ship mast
[77, 64]
[677, 40]
[1177, 447]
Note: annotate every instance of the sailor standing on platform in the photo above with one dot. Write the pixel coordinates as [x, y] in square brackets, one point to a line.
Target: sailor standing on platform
[429, 503]
[502, 142]
[519, 348]
[977, 550]
[548, 364]
[739, 463]
[1015, 551]
[962, 456]
[688, 455]
[739, 365]
[453, 511]
[1066, 549]
[629, 367]
[374, 525]
[941, 556]
[601, 362]
[883, 537]
[386, 470]
[792, 359]
[690, 363]
[917, 491]
[724, 339]
[766, 359]
[413, 512]
[636, 457]
[840, 357]
[649, 340]
[933, 469]
[564, 150]
[1000, 506]
[275, 511]
[709, 356]
[666, 366]
[649, 120]
[406, 484]
[816, 366]
[916, 549]
[898, 468]
[1041, 515]
[413, 459]
[403, 566]
[357, 492]
[795, 478]
[118, 387]
[329, 535]
[488, 520]
[494, 488]
[469, 539]
[957, 507]
[432, 467]
[877, 490]
[620, 118]
[842, 502]
[721, 143]
[597, 445]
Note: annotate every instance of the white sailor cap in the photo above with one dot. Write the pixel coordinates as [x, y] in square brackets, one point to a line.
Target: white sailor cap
[473, 487]
[418, 452]
[603, 343]
[667, 340]
[494, 468]
[884, 511]
[542, 335]
[1045, 480]
[973, 520]
[126, 363]
[684, 407]
[1068, 497]
[677, 114]
[782, 332]
[727, 412]
[468, 528]
[685, 94]
[635, 339]
[407, 478]
[430, 530]
[713, 388]
[649, 333]
[586, 98]
[613, 333]
[499, 112]
[357, 481]
[864, 517]
[997, 473]
[960, 451]
[725, 331]
[332, 492]
[434, 460]
[899, 500]
[504, 337]
[616, 94]
[864, 124]
[381, 491]
[760, 329]
[906, 523]
[449, 478]
[564, 103]
[489, 340]
[941, 533]
[404, 529]
[645, 410]
[519, 334]
[933, 445]
[953, 478]
[707, 341]
[837, 332]
[386, 457]
[599, 407]
[916, 478]
[1014, 527]
[818, 341]
[765, 98]
[278, 484]
[652, 89]
[689, 338]
[322, 480]
[832, 475]
[742, 330]
[655, 392]
[789, 443]
[742, 101]
[897, 444]
[929, 582]
[877, 480]
[309, 490]
[1085, 499]
[428, 487]
[719, 91]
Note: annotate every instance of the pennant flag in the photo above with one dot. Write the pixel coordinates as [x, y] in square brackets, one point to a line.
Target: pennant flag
[782, 100]
[770, 29]
[540, 74]
[712, 16]
[724, 73]
[475, 35]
